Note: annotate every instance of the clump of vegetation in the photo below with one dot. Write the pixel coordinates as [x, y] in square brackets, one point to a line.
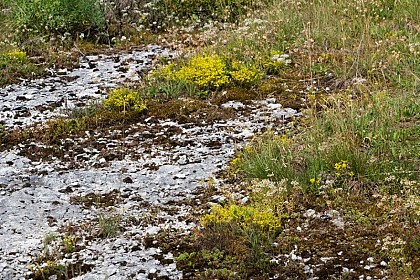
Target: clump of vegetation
[243, 218]
[205, 72]
[50, 16]
[109, 225]
[201, 74]
[245, 76]
[124, 99]
[13, 56]
[276, 62]
[14, 64]
[233, 241]
[49, 262]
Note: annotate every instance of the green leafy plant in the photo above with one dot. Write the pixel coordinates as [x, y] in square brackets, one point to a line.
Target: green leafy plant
[109, 225]
[57, 16]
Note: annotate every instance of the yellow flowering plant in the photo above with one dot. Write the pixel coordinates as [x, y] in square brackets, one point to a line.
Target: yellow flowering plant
[245, 217]
[244, 75]
[14, 55]
[124, 99]
[204, 71]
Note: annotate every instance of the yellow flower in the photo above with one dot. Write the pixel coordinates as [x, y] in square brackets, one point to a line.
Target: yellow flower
[14, 55]
[123, 99]
[244, 75]
[312, 180]
[204, 71]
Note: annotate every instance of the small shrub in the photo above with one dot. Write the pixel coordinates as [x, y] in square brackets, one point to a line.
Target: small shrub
[124, 99]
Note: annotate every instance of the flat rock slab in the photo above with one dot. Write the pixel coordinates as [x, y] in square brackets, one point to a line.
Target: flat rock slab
[146, 187]
[35, 101]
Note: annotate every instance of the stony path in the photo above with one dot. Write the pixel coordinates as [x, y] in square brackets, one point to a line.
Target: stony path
[115, 191]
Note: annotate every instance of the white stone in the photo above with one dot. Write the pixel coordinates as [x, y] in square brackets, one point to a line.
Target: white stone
[309, 213]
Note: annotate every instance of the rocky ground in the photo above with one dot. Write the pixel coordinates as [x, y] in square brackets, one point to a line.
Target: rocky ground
[90, 206]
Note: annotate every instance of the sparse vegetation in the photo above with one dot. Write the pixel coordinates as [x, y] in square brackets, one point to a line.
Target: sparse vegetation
[341, 182]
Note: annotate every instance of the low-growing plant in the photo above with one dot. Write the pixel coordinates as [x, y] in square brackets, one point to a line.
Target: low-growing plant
[276, 62]
[206, 72]
[13, 56]
[269, 157]
[243, 218]
[109, 225]
[49, 269]
[16, 64]
[125, 99]
[69, 243]
[244, 75]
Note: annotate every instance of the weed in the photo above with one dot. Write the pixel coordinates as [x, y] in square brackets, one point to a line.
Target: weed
[109, 225]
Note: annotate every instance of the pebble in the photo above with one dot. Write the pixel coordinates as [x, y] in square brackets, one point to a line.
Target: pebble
[309, 213]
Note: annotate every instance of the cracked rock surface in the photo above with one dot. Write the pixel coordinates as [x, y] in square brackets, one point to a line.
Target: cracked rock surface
[110, 190]
[37, 100]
